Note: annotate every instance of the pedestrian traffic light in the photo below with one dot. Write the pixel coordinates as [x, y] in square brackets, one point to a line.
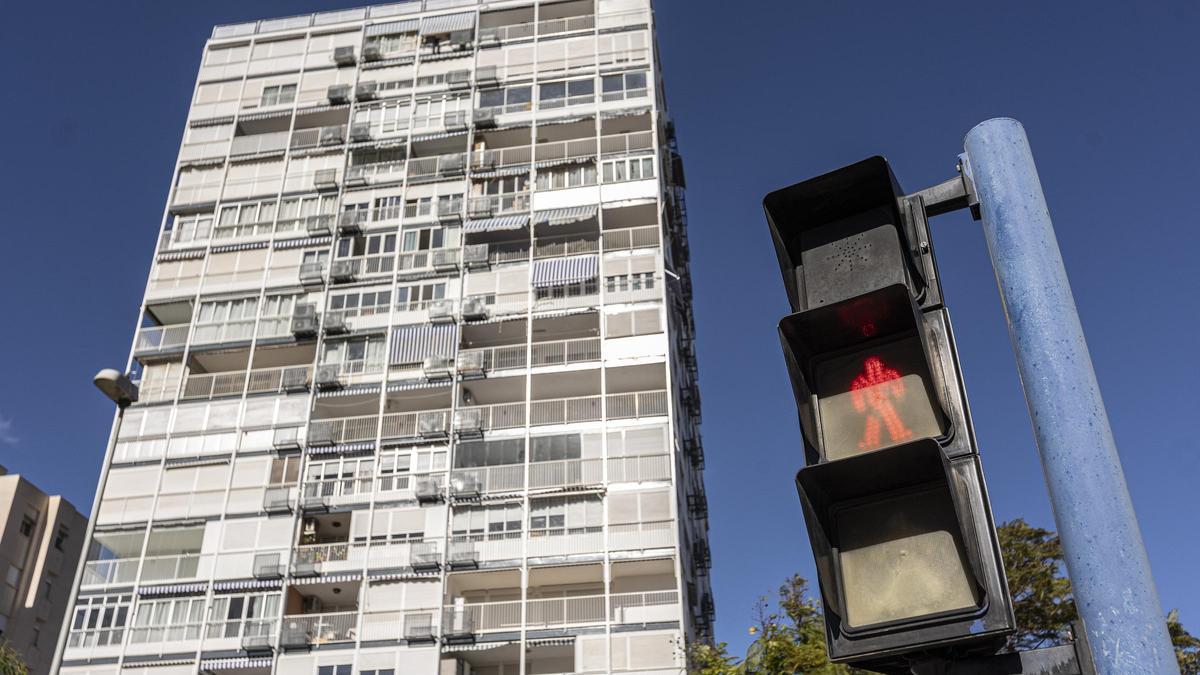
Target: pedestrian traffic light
[892, 491]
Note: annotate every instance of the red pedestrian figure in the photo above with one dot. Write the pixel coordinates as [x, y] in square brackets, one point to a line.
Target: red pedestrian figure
[876, 401]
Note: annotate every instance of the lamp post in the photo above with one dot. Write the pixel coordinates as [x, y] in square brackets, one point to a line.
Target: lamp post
[120, 390]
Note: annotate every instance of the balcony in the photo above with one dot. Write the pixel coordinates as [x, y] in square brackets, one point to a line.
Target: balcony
[257, 381]
[176, 567]
[624, 144]
[471, 482]
[467, 551]
[254, 144]
[106, 572]
[337, 491]
[638, 468]
[325, 558]
[563, 473]
[641, 536]
[556, 247]
[443, 165]
[152, 339]
[500, 157]
[494, 34]
[316, 629]
[318, 136]
[364, 427]
[413, 625]
[560, 411]
[590, 541]
[375, 174]
[477, 307]
[579, 148]
[225, 331]
[171, 632]
[646, 236]
[569, 24]
[558, 613]
[498, 205]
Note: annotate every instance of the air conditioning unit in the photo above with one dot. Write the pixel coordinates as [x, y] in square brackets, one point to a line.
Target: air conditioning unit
[432, 424]
[276, 500]
[487, 76]
[474, 309]
[344, 56]
[360, 132]
[304, 326]
[470, 364]
[366, 91]
[371, 52]
[338, 94]
[351, 222]
[428, 491]
[325, 179]
[335, 323]
[463, 555]
[475, 255]
[445, 259]
[268, 566]
[328, 377]
[458, 79]
[441, 311]
[320, 434]
[468, 421]
[455, 121]
[333, 135]
[450, 211]
[418, 628]
[343, 270]
[437, 368]
[319, 225]
[312, 273]
[425, 557]
[295, 379]
[484, 118]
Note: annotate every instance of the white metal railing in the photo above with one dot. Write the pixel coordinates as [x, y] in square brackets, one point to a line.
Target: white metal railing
[316, 554]
[645, 607]
[424, 167]
[560, 246]
[645, 535]
[96, 637]
[309, 138]
[637, 404]
[645, 236]
[621, 144]
[158, 338]
[566, 473]
[508, 252]
[493, 205]
[505, 357]
[366, 265]
[562, 612]
[488, 417]
[637, 468]
[497, 157]
[563, 352]
[401, 553]
[482, 617]
[517, 31]
[504, 478]
[257, 381]
[320, 628]
[565, 410]
[407, 624]
[566, 24]
[256, 143]
[115, 571]
[175, 567]
[344, 429]
[572, 149]
[380, 172]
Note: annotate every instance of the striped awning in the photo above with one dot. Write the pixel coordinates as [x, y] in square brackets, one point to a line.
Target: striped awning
[264, 115]
[360, 390]
[342, 449]
[236, 663]
[551, 642]
[197, 461]
[479, 646]
[240, 247]
[447, 23]
[559, 161]
[571, 119]
[211, 121]
[181, 255]
[301, 243]
[561, 271]
[625, 112]
[496, 224]
[502, 171]
[156, 663]
[392, 28]
[173, 589]
[415, 384]
[326, 579]
[246, 585]
[438, 135]
[412, 344]
[572, 214]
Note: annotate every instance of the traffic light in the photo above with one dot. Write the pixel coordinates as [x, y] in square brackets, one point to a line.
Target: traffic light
[892, 491]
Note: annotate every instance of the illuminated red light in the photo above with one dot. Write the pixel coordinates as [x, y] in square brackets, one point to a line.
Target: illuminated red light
[878, 402]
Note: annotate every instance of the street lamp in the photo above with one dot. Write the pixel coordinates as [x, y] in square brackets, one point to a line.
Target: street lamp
[120, 390]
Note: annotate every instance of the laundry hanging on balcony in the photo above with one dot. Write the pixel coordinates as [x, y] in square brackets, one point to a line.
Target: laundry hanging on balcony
[562, 271]
[496, 224]
[448, 23]
[573, 214]
[413, 344]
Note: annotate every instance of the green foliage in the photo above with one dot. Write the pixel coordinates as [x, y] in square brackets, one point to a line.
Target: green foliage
[1041, 593]
[11, 661]
[1187, 647]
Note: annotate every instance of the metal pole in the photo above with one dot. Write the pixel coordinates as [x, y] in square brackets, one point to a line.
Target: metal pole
[1106, 559]
[69, 613]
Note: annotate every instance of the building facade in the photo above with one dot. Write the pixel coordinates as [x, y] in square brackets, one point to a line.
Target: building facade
[418, 384]
[41, 537]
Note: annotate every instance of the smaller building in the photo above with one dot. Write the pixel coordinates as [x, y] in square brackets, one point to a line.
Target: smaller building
[41, 537]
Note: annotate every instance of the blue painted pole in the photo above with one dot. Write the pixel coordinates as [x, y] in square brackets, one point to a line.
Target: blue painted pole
[1106, 559]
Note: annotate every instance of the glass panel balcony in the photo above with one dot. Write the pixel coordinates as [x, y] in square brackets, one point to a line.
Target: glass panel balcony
[496, 205]
[258, 381]
[105, 572]
[316, 629]
[635, 469]
[161, 338]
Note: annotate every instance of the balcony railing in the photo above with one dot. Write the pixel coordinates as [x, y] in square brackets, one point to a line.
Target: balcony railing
[646, 607]
[623, 144]
[566, 473]
[380, 172]
[641, 536]
[565, 410]
[425, 167]
[637, 468]
[562, 612]
[256, 143]
[564, 352]
[489, 417]
[172, 632]
[591, 540]
[517, 31]
[494, 205]
[505, 478]
[225, 331]
[562, 410]
[578, 148]
[645, 236]
[104, 572]
[490, 359]
[561, 246]
[318, 629]
[338, 490]
[566, 24]
[309, 138]
[258, 381]
[508, 252]
[162, 338]
[241, 628]
[637, 404]
[96, 637]
[498, 157]
[489, 547]
[411, 624]
[364, 427]
[321, 554]
[175, 567]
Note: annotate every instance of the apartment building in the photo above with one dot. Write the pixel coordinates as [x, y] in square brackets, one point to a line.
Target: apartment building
[416, 360]
[41, 538]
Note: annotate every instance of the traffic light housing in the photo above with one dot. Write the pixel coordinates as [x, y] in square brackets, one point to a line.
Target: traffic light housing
[892, 491]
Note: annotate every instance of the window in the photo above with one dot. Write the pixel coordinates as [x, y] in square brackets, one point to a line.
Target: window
[627, 168]
[479, 522]
[396, 466]
[284, 470]
[565, 515]
[232, 616]
[576, 290]
[27, 525]
[629, 282]
[489, 453]
[340, 669]
[346, 476]
[387, 208]
[279, 94]
[417, 207]
[418, 296]
[170, 619]
[99, 620]
[240, 220]
[566, 93]
[423, 239]
[391, 44]
[357, 355]
[503, 185]
[507, 100]
[294, 211]
[549, 448]
[623, 86]
[431, 111]
[191, 228]
[567, 176]
[13, 576]
[362, 304]
[60, 538]
[378, 249]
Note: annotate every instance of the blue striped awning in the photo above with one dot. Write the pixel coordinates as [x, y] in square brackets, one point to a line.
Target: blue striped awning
[392, 28]
[239, 663]
[342, 449]
[560, 161]
[496, 224]
[360, 390]
[275, 114]
[573, 214]
[240, 247]
[246, 585]
[447, 23]
[326, 579]
[211, 121]
[301, 243]
[564, 120]
[502, 171]
[560, 271]
[412, 344]
[156, 663]
[181, 255]
[414, 384]
[438, 135]
[173, 589]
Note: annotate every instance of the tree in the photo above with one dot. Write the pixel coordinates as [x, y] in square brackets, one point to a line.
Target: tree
[1187, 647]
[11, 661]
[1041, 593]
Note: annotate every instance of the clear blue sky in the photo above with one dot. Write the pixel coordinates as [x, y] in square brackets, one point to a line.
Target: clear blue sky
[764, 94]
